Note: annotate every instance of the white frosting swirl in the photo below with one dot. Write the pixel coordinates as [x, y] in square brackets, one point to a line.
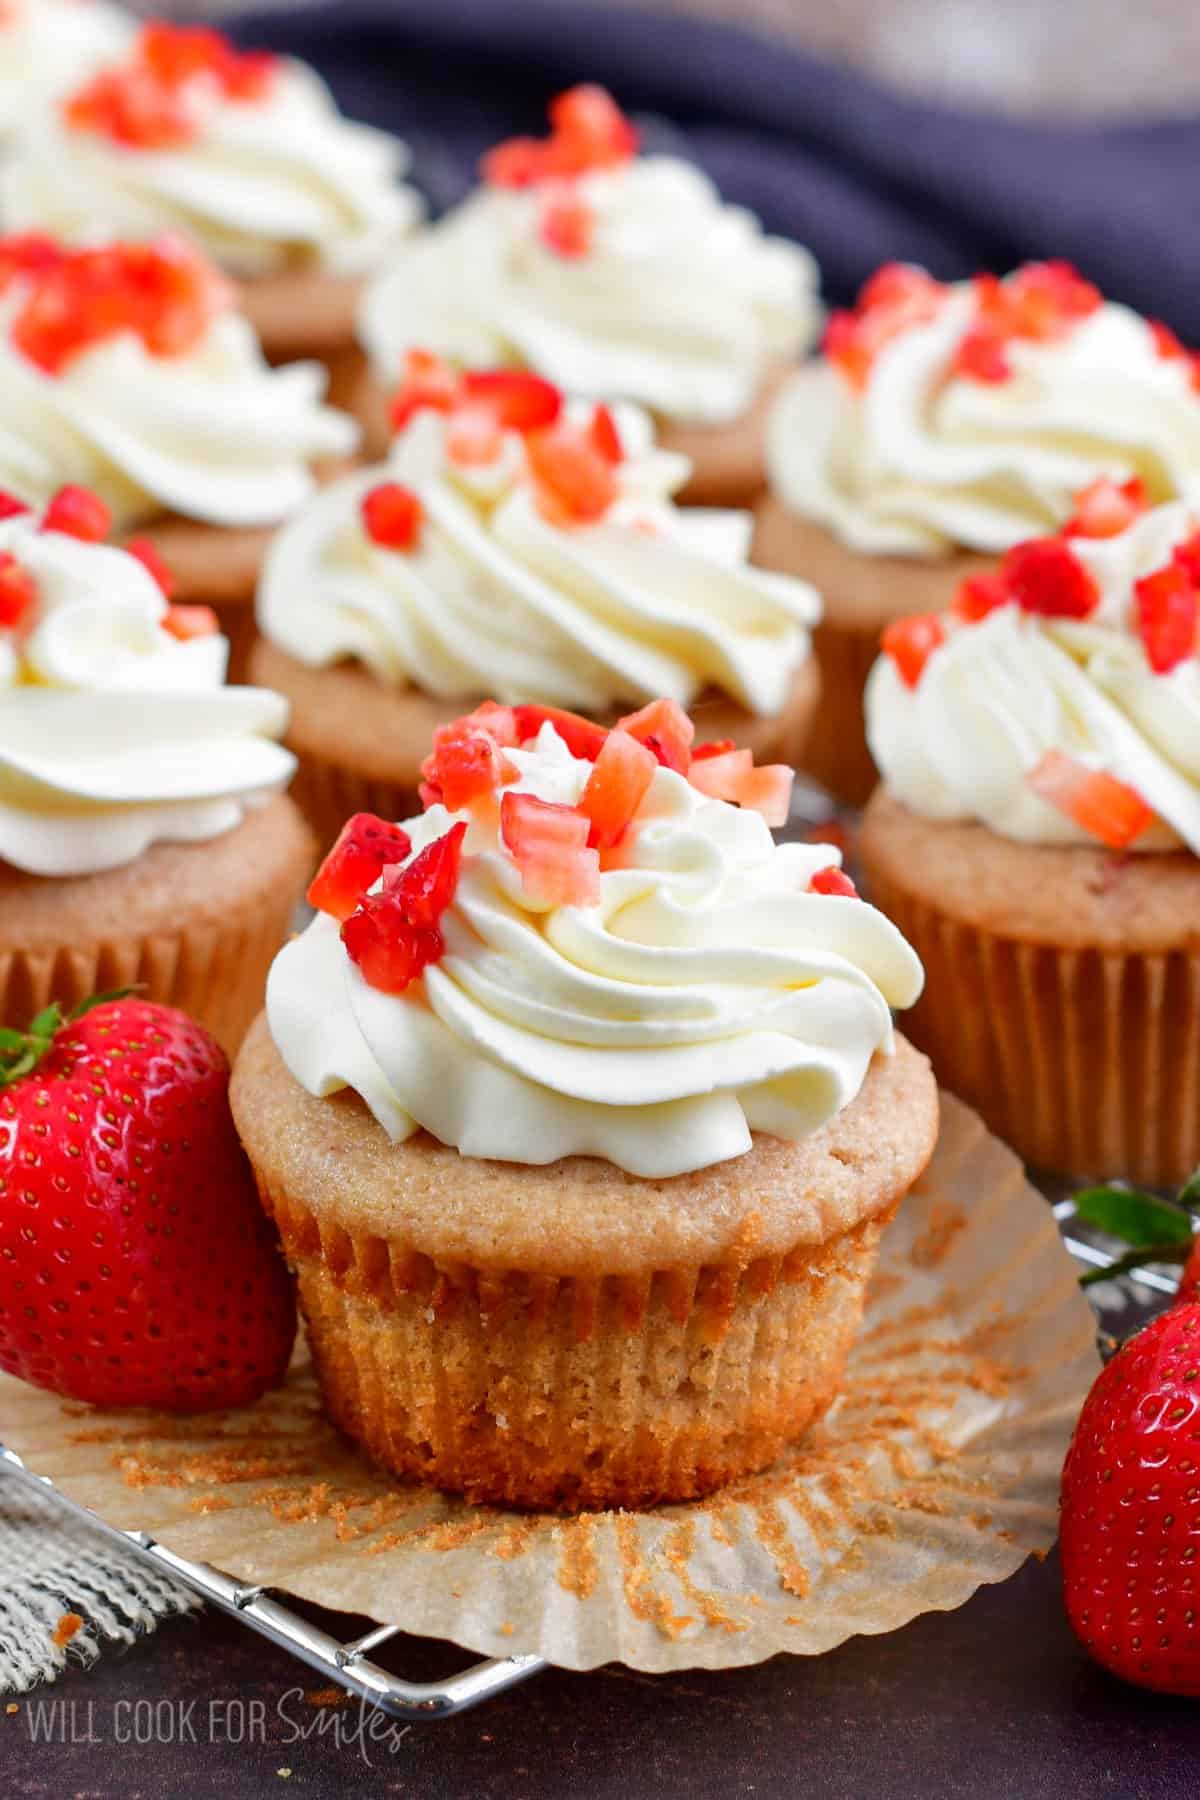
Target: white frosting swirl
[925, 461]
[650, 600]
[681, 303]
[215, 434]
[998, 695]
[706, 996]
[262, 185]
[47, 47]
[89, 779]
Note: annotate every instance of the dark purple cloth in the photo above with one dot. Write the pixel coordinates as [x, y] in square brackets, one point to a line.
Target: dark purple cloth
[858, 173]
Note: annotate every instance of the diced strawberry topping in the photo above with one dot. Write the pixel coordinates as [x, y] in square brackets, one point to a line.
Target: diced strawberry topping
[1171, 349]
[187, 622]
[1045, 576]
[567, 226]
[1106, 508]
[77, 512]
[1187, 555]
[165, 292]
[664, 728]
[500, 722]
[604, 436]
[616, 787]
[153, 98]
[1101, 805]
[893, 300]
[833, 881]
[18, 592]
[429, 383]
[549, 844]
[392, 516]
[1039, 302]
[152, 560]
[1168, 615]
[364, 848]
[582, 738]
[133, 109]
[516, 163]
[588, 131]
[732, 776]
[389, 951]
[981, 357]
[517, 399]
[28, 253]
[474, 437]
[911, 642]
[978, 596]
[427, 884]
[11, 507]
[575, 483]
[466, 765]
[714, 747]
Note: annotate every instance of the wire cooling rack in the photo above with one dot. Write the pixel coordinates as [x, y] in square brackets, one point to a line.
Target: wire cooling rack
[350, 1664]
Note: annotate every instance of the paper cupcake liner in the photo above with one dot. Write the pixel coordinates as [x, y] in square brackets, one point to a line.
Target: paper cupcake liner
[1086, 1062]
[328, 794]
[836, 752]
[935, 1471]
[571, 1392]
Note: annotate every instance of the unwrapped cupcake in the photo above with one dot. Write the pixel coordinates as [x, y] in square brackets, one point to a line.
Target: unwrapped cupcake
[245, 153]
[520, 545]
[144, 836]
[943, 425]
[47, 47]
[1038, 837]
[616, 276]
[125, 369]
[581, 1112]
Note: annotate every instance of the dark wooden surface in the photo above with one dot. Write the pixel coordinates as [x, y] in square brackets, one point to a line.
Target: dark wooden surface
[993, 1702]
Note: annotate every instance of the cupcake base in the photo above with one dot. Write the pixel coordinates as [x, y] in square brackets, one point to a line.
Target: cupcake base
[190, 925]
[302, 313]
[1062, 995]
[360, 744]
[569, 1336]
[862, 594]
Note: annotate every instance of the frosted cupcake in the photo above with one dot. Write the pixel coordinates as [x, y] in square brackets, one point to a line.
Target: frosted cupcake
[245, 153]
[144, 836]
[126, 370]
[1038, 838]
[616, 276]
[519, 546]
[47, 47]
[945, 424]
[581, 1112]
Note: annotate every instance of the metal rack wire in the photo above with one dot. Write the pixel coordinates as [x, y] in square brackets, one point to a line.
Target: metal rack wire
[350, 1664]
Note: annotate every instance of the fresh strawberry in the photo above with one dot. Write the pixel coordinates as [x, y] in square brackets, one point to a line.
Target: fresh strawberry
[1044, 576]
[616, 787]
[714, 747]
[136, 1265]
[911, 642]
[465, 764]
[732, 776]
[78, 513]
[833, 881]
[575, 482]
[567, 226]
[981, 356]
[518, 162]
[429, 384]
[151, 559]
[978, 596]
[395, 935]
[664, 728]
[392, 515]
[364, 848]
[518, 399]
[187, 622]
[1168, 616]
[1104, 807]
[1187, 555]
[18, 592]
[11, 507]
[1131, 1510]
[604, 436]
[582, 738]
[1106, 508]
[589, 116]
[549, 844]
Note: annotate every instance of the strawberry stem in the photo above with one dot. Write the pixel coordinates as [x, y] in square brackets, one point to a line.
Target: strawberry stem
[1137, 1259]
[22, 1051]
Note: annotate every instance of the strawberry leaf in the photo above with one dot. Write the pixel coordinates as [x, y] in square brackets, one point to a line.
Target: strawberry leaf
[1136, 1218]
[1136, 1259]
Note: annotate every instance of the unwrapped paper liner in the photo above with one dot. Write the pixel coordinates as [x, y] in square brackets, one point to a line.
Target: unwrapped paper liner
[936, 1471]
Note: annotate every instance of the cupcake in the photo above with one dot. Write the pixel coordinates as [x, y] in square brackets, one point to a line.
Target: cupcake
[126, 370]
[581, 1112]
[942, 426]
[245, 153]
[518, 545]
[615, 276]
[1037, 837]
[47, 47]
[144, 837]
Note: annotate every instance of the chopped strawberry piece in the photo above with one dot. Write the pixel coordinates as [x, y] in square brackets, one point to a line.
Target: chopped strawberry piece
[1044, 576]
[518, 162]
[518, 399]
[833, 881]
[500, 722]
[427, 884]
[897, 284]
[897, 297]
[981, 357]
[474, 437]
[77, 512]
[911, 642]
[664, 728]
[845, 349]
[1101, 805]
[1106, 508]
[589, 116]
[582, 738]
[429, 383]
[978, 596]
[364, 847]
[465, 765]
[175, 54]
[187, 622]
[147, 553]
[732, 776]
[1046, 298]
[549, 844]
[149, 101]
[616, 787]
[1187, 555]
[1168, 613]
[11, 507]
[28, 253]
[714, 747]
[575, 483]
[133, 109]
[567, 226]
[251, 77]
[720, 777]
[388, 950]
[18, 592]
[392, 516]
[604, 436]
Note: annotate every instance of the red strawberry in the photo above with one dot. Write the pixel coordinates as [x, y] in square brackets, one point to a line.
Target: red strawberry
[392, 515]
[78, 513]
[395, 935]
[365, 846]
[664, 728]
[582, 738]
[1131, 1510]
[1045, 576]
[1168, 616]
[18, 592]
[616, 787]
[549, 844]
[136, 1266]
[833, 881]
[1106, 808]
[911, 642]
